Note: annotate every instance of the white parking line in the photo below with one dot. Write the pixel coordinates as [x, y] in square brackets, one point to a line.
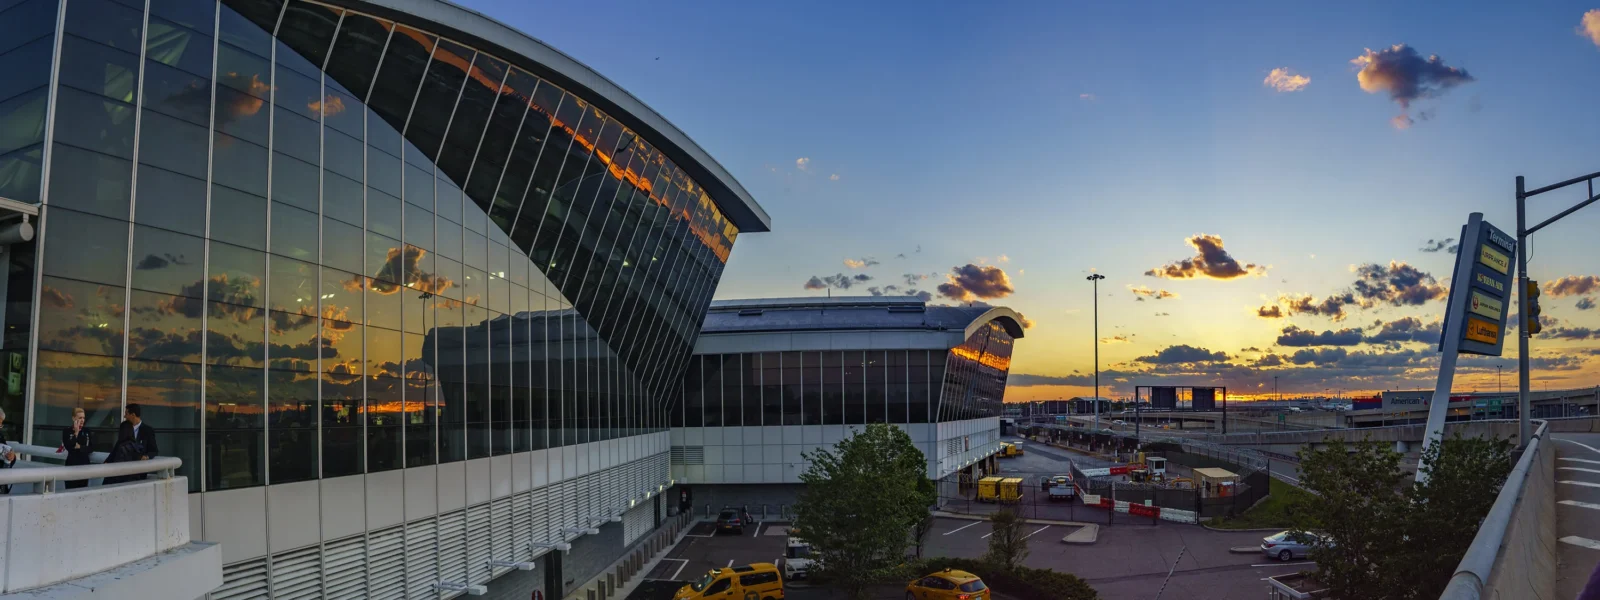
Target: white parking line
[1036, 531]
[730, 563]
[1591, 448]
[962, 527]
[1580, 504]
[1581, 541]
[684, 562]
[1578, 469]
[758, 529]
[1582, 483]
[1283, 564]
[1582, 460]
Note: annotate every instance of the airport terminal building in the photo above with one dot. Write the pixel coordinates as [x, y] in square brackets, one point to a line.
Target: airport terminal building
[773, 378]
[408, 291]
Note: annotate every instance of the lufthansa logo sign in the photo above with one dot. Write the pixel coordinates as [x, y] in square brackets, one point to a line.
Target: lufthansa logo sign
[1479, 330]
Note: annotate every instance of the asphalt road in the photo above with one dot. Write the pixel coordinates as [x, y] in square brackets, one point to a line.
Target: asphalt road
[1577, 510]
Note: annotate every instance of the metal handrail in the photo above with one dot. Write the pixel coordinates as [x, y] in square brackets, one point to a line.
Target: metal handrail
[163, 466]
[1472, 573]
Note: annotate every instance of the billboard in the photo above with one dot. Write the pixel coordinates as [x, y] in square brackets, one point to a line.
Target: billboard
[1477, 315]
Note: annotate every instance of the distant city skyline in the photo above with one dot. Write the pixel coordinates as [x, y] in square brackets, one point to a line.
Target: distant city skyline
[1274, 193]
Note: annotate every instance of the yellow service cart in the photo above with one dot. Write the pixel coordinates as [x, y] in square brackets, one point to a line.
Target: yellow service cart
[1011, 489]
[989, 489]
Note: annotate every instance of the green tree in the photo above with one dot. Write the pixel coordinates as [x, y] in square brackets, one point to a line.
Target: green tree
[1007, 543]
[861, 501]
[1385, 536]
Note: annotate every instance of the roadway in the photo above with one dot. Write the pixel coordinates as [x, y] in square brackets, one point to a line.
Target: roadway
[1577, 510]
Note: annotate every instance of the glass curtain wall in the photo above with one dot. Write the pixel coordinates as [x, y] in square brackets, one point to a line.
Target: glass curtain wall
[315, 243]
[974, 382]
[807, 388]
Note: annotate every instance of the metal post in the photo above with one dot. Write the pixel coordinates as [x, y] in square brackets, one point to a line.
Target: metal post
[1095, 279]
[1522, 309]
[1439, 408]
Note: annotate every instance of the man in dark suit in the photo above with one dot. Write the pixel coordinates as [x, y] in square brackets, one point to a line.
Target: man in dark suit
[135, 441]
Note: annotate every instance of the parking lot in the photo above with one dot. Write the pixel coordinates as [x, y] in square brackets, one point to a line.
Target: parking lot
[1130, 558]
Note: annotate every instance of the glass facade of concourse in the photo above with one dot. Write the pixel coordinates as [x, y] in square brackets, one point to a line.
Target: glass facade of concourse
[314, 243]
[848, 387]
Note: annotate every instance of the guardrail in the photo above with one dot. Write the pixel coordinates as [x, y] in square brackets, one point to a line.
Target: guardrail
[1508, 539]
[44, 477]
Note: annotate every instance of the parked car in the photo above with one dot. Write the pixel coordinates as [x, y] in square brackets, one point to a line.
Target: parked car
[949, 584]
[1289, 545]
[733, 519]
[797, 559]
[1061, 488]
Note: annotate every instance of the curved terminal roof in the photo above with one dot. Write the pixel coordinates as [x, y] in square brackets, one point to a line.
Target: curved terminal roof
[473, 28]
[878, 316]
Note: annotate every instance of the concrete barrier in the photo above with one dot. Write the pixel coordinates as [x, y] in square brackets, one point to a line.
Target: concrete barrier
[1513, 555]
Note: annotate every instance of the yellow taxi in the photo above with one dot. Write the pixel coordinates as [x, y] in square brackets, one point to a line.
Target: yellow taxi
[949, 584]
[758, 580]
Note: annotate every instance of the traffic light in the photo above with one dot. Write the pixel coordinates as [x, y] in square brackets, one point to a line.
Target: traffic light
[1531, 313]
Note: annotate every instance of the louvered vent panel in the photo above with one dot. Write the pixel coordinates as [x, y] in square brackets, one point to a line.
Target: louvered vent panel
[568, 501]
[542, 518]
[502, 530]
[521, 525]
[422, 555]
[345, 567]
[387, 568]
[297, 574]
[453, 547]
[479, 531]
[243, 581]
[689, 455]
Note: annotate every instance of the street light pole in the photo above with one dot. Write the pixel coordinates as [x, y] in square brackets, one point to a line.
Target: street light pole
[1524, 428]
[1095, 278]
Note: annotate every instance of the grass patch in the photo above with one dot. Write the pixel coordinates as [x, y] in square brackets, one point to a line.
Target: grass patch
[1274, 512]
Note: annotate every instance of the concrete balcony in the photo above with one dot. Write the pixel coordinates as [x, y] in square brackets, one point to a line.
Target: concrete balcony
[128, 540]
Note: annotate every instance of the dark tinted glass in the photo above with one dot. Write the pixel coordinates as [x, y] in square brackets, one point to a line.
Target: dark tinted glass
[404, 63]
[177, 93]
[249, 23]
[238, 217]
[440, 89]
[90, 181]
[294, 232]
[240, 165]
[163, 327]
[383, 213]
[82, 317]
[235, 428]
[294, 181]
[341, 245]
[356, 52]
[93, 122]
[24, 22]
[236, 274]
[174, 145]
[341, 198]
[25, 63]
[86, 247]
[167, 262]
[109, 23]
[67, 381]
[175, 45]
[293, 441]
[307, 29]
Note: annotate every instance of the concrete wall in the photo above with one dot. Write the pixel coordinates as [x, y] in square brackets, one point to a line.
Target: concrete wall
[1526, 564]
[109, 526]
[776, 454]
[775, 496]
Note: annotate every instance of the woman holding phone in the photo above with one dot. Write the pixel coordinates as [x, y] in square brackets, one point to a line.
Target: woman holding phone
[75, 442]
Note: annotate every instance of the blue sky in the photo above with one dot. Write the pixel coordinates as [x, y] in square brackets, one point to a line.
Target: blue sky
[1066, 138]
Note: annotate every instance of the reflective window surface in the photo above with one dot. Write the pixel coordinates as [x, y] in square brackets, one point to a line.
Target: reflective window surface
[307, 233]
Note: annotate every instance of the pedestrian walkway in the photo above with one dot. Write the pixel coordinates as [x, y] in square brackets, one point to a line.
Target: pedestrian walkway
[1577, 510]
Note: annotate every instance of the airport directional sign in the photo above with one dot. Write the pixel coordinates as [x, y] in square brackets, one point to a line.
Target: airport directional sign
[1477, 315]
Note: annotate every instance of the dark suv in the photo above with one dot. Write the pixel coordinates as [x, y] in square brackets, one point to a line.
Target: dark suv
[733, 519]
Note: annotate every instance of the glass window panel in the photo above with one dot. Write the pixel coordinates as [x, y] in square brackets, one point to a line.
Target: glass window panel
[237, 274]
[294, 287]
[164, 327]
[419, 227]
[356, 52]
[295, 136]
[341, 199]
[174, 45]
[245, 72]
[235, 429]
[238, 217]
[448, 238]
[86, 247]
[169, 394]
[98, 69]
[439, 92]
[419, 187]
[235, 335]
[66, 381]
[478, 96]
[294, 232]
[94, 123]
[22, 120]
[292, 443]
[383, 257]
[193, 14]
[417, 311]
[383, 352]
[24, 22]
[167, 262]
[812, 393]
[383, 305]
[108, 23]
[240, 165]
[421, 405]
[404, 62]
[449, 199]
[249, 23]
[771, 388]
[383, 213]
[341, 245]
[174, 145]
[171, 200]
[476, 250]
[474, 286]
[76, 316]
[343, 154]
[385, 414]
[341, 111]
[307, 29]
[240, 115]
[178, 93]
[383, 172]
[294, 345]
[341, 347]
[341, 297]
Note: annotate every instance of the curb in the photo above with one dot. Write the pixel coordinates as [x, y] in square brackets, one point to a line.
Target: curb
[1245, 550]
[1093, 533]
[966, 517]
[1244, 530]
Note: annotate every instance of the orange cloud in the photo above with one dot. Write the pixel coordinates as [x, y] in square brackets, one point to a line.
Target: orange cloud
[1284, 80]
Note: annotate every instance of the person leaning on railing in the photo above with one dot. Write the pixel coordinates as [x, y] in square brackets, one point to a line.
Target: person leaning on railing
[75, 442]
[135, 441]
[9, 457]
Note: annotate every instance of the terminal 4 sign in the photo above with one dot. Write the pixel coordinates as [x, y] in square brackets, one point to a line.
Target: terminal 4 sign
[1477, 315]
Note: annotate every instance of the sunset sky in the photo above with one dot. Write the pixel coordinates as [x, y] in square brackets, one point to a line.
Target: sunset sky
[1270, 189]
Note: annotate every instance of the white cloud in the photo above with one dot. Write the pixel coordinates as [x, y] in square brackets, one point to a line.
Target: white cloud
[1284, 80]
[833, 177]
[802, 163]
[1590, 27]
[1004, 258]
[1088, 97]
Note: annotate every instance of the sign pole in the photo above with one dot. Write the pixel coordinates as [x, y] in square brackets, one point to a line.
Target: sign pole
[1439, 408]
[1523, 408]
